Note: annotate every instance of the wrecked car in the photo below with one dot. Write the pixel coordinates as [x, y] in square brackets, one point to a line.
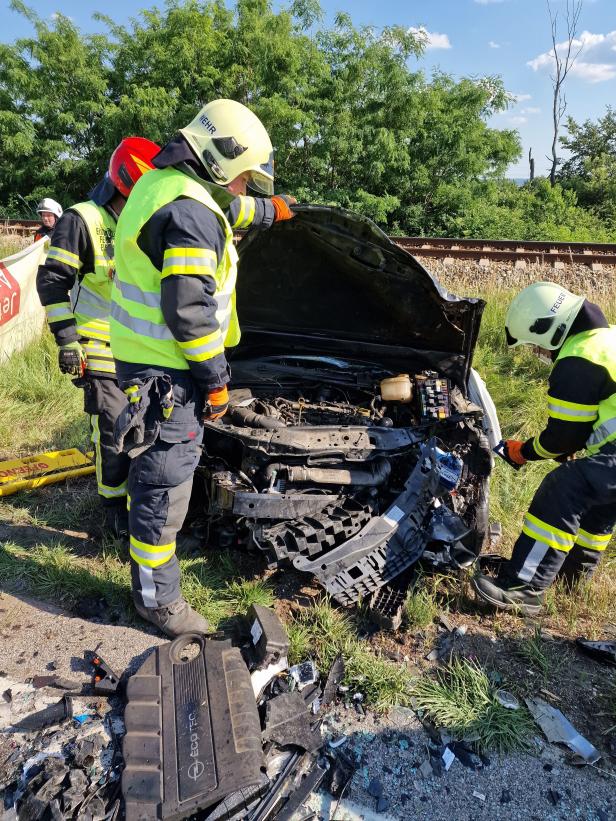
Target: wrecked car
[351, 448]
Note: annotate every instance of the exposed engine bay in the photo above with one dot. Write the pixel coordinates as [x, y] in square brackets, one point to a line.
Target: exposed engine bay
[346, 470]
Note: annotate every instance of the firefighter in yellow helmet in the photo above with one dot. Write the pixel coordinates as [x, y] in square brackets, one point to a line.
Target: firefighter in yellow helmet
[173, 315]
[573, 513]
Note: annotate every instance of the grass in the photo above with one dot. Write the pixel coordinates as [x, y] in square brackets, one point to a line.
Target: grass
[420, 609]
[40, 409]
[532, 649]
[461, 698]
[323, 632]
[56, 573]
[12, 243]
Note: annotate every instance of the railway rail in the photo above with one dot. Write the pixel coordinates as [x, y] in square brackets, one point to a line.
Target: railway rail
[544, 253]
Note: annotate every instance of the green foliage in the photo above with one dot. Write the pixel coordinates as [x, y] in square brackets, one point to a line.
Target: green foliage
[532, 649]
[353, 124]
[590, 170]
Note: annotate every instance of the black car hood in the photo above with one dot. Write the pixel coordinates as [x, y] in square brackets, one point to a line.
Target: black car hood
[329, 282]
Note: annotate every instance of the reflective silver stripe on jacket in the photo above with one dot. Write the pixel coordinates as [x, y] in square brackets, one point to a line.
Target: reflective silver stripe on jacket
[140, 326]
[207, 346]
[86, 301]
[586, 415]
[601, 433]
[135, 294]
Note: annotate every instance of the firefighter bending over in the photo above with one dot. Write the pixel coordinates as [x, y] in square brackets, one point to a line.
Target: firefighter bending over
[573, 513]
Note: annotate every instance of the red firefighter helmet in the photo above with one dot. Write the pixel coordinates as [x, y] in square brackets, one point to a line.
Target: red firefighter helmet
[132, 158]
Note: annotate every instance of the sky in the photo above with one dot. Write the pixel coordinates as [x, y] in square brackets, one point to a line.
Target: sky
[510, 38]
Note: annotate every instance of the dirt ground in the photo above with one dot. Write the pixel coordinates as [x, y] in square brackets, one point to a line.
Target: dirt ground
[390, 748]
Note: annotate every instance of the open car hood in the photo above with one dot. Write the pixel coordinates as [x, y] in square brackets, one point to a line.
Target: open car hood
[331, 283]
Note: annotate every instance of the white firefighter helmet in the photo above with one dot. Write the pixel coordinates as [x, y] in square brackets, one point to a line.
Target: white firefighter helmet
[230, 140]
[542, 314]
[47, 204]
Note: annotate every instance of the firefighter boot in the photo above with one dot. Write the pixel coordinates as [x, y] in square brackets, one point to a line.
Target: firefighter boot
[506, 595]
[116, 520]
[175, 618]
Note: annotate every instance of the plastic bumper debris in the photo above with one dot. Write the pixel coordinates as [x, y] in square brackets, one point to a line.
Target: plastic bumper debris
[559, 730]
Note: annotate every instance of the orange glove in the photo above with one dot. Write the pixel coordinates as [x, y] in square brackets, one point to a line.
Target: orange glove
[217, 404]
[513, 451]
[281, 204]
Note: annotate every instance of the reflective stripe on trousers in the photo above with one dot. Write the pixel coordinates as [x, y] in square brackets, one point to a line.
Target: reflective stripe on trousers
[569, 522]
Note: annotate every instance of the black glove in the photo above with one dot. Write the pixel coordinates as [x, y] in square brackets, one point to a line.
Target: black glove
[72, 359]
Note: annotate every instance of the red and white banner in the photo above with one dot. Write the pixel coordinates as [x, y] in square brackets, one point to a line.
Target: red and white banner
[22, 316]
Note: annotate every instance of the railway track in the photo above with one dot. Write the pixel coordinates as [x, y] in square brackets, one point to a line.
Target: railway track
[522, 252]
[20, 227]
[544, 253]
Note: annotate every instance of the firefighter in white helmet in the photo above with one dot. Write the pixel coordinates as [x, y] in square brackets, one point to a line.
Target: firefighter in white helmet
[172, 317]
[50, 212]
[573, 513]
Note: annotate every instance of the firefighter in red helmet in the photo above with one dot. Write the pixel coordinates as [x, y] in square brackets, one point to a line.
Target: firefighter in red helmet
[74, 286]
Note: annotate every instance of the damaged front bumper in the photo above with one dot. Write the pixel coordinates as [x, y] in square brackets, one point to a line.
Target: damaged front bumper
[389, 544]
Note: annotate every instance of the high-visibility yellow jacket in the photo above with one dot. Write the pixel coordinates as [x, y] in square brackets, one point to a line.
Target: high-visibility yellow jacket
[82, 274]
[140, 334]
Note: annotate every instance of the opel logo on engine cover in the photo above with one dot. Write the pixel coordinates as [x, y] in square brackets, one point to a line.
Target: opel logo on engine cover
[195, 771]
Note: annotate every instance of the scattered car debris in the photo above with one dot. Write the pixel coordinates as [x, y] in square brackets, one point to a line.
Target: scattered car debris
[604, 651]
[507, 699]
[479, 795]
[466, 755]
[304, 674]
[333, 681]
[60, 772]
[554, 797]
[104, 681]
[559, 730]
[386, 607]
[288, 722]
[448, 758]
[54, 714]
[201, 736]
[444, 646]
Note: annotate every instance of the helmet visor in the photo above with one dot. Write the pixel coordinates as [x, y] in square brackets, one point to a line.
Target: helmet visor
[260, 183]
[261, 179]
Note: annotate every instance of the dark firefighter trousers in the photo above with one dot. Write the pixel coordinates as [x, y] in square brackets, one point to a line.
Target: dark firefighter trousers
[569, 522]
[159, 486]
[104, 401]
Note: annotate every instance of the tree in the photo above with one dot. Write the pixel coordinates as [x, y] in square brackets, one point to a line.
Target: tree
[53, 96]
[564, 56]
[353, 123]
[590, 170]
